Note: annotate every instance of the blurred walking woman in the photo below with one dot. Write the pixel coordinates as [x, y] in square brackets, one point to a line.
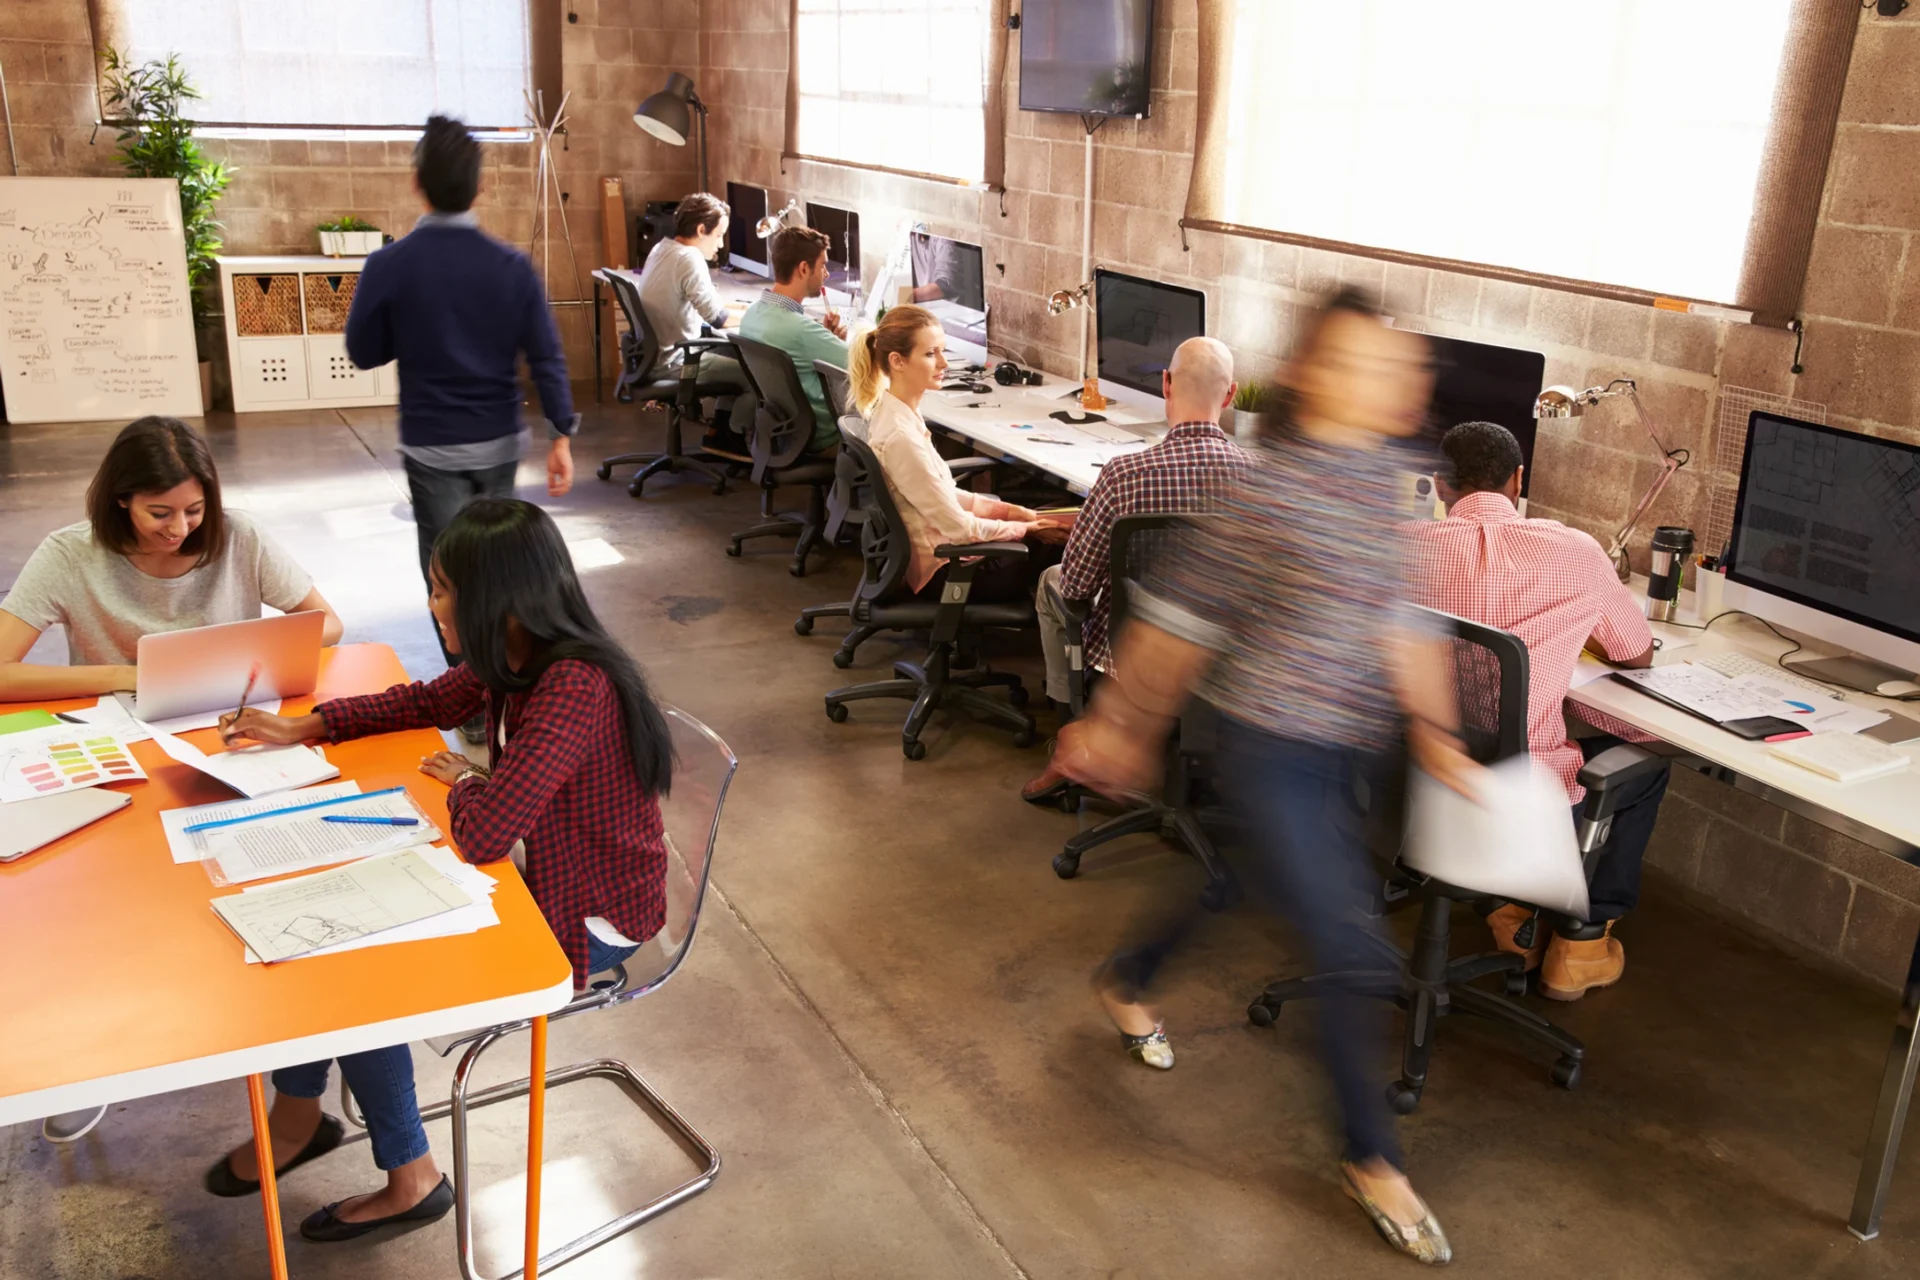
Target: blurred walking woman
[1284, 614]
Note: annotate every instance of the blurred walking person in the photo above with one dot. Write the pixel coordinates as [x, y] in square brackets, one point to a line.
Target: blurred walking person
[1286, 612]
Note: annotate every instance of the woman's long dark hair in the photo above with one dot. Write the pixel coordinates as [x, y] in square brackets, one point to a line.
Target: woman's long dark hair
[152, 455]
[505, 558]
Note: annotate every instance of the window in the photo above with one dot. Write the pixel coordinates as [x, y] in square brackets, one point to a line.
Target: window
[893, 84]
[1620, 142]
[353, 64]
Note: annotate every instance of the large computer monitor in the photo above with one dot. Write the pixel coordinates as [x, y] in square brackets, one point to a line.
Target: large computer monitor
[1826, 541]
[1138, 324]
[1476, 382]
[746, 251]
[842, 227]
[949, 279]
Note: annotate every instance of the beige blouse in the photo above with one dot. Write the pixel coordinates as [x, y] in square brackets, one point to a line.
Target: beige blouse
[937, 511]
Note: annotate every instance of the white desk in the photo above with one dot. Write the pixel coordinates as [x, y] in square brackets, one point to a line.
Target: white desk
[1013, 425]
[1883, 813]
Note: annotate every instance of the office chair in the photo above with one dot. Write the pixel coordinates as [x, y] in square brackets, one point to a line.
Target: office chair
[678, 393]
[1490, 672]
[1186, 807]
[884, 601]
[704, 766]
[779, 436]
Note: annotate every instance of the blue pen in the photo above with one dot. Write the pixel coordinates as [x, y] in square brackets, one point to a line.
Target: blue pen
[295, 808]
[370, 821]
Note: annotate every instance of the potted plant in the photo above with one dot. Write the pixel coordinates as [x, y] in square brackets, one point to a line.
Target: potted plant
[1252, 404]
[156, 141]
[350, 237]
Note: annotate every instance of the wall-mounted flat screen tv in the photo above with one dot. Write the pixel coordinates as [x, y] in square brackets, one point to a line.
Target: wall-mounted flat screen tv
[1086, 57]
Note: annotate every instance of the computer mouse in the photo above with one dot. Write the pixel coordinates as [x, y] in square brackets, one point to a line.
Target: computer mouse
[1898, 689]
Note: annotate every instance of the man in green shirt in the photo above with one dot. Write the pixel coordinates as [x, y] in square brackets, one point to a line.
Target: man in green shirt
[800, 272]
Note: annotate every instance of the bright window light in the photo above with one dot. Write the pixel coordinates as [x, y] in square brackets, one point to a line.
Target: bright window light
[593, 553]
[1615, 141]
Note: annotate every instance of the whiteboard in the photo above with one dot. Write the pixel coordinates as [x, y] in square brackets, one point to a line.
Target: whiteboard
[94, 315]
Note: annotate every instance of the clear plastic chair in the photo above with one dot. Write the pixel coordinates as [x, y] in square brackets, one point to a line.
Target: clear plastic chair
[703, 767]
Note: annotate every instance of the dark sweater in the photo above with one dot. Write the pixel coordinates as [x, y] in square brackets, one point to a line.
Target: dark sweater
[455, 307]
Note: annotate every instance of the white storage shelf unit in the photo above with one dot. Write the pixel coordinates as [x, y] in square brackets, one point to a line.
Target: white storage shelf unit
[286, 344]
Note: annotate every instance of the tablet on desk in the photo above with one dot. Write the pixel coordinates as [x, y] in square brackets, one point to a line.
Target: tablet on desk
[40, 821]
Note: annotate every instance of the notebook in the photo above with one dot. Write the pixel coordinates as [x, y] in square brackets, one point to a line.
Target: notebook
[1844, 757]
[252, 771]
[44, 819]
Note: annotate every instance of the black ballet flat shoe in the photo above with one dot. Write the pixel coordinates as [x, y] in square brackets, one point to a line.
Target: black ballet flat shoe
[323, 1227]
[221, 1180]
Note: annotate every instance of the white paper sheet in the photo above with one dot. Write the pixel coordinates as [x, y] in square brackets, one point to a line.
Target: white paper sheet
[360, 900]
[252, 771]
[477, 915]
[1822, 715]
[1514, 840]
[108, 713]
[299, 840]
[193, 848]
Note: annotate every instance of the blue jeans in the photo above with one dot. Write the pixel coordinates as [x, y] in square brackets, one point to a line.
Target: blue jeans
[1305, 836]
[601, 957]
[437, 497]
[382, 1081]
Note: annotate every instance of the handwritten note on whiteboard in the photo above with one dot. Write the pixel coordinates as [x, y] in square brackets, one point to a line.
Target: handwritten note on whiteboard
[94, 315]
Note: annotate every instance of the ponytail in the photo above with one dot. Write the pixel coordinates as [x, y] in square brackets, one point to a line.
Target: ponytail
[867, 354]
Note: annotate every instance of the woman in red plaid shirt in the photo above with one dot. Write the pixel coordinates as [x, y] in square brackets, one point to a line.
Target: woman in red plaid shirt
[581, 755]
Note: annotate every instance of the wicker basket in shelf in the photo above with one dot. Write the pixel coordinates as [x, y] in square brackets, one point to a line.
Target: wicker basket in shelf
[328, 297]
[265, 306]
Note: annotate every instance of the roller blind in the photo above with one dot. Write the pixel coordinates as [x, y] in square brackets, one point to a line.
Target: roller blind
[1650, 147]
[339, 64]
[910, 86]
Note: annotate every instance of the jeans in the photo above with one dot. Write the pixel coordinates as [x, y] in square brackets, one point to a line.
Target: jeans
[1614, 888]
[437, 497]
[602, 957]
[1305, 837]
[382, 1082]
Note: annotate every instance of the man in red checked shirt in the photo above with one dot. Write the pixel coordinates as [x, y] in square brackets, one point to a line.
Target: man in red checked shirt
[1554, 588]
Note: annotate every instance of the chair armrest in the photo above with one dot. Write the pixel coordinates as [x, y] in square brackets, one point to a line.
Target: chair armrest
[1617, 766]
[694, 346]
[1072, 612]
[997, 550]
[967, 466]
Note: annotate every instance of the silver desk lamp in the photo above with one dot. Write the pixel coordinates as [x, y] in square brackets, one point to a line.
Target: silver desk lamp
[1565, 402]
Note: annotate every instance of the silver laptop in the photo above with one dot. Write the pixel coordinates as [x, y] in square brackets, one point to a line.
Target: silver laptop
[202, 669]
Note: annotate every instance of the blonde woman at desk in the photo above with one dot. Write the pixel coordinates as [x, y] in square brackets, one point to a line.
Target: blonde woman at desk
[157, 552]
[892, 368]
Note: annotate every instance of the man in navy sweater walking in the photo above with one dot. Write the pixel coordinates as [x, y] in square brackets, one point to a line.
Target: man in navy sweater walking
[456, 308]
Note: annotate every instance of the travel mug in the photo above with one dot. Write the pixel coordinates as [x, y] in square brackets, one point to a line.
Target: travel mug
[1672, 547]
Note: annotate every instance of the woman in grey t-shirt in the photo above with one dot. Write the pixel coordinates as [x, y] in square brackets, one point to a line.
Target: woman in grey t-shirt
[156, 553]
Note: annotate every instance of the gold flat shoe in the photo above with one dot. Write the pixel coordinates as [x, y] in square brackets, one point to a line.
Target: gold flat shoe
[1424, 1241]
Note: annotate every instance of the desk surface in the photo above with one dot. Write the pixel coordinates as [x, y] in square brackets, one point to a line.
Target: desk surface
[1888, 806]
[118, 981]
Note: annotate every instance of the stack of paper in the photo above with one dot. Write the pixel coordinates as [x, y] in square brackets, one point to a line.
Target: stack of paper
[362, 901]
[1708, 694]
[48, 761]
[478, 914]
[239, 842]
[1844, 757]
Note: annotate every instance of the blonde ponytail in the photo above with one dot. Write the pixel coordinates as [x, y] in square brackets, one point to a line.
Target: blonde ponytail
[867, 353]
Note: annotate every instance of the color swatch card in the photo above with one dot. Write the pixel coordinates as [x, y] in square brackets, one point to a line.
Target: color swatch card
[44, 762]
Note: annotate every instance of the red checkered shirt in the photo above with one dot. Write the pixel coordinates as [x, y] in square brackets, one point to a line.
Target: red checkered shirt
[1190, 469]
[1550, 585]
[564, 783]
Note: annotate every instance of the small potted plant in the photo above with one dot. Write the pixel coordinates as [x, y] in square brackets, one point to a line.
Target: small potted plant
[1252, 404]
[349, 237]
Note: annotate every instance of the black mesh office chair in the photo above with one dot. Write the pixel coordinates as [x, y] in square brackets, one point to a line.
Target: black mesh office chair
[884, 601]
[679, 393]
[1490, 672]
[779, 437]
[1187, 807]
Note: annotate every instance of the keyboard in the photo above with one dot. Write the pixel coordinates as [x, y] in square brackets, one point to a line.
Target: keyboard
[1733, 665]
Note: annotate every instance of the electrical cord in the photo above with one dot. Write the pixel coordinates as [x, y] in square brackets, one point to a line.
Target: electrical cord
[1780, 660]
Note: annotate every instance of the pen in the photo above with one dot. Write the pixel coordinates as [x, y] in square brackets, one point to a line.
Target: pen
[247, 692]
[368, 820]
[293, 808]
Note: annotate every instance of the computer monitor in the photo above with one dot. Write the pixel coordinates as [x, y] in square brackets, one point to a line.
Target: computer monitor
[949, 279]
[746, 251]
[1476, 382]
[1826, 541]
[842, 227]
[1138, 324]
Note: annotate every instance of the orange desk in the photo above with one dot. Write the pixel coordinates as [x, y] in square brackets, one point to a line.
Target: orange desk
[183, 1008]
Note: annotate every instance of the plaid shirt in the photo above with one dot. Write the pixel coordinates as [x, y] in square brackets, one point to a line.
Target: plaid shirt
[1190, 469]
[1550, 585]
[564, 783]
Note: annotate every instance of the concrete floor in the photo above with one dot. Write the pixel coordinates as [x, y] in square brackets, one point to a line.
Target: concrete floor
[885, 1025]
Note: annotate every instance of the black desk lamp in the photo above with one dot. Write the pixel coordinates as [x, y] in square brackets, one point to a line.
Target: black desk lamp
[669, 115]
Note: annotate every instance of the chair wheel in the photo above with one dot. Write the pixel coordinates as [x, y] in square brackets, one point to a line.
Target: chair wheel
[1024, 738]
[1566, 1073]
[1402, 1098]
[914, 749]
[1515, 985]
[605, 472]
[798, 568]
[1217, 896]
[1262, 1014]
[842, 659]
[733, 549]
[720, 487]
[803, 626]
[837, 712]
[1017, 695]
[636, 490]
[1066, 865]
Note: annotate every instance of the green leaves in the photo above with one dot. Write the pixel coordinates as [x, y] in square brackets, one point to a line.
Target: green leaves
[156, 141]
[347, 222]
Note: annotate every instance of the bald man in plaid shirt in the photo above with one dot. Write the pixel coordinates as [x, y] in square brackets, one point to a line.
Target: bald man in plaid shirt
[1190, 469]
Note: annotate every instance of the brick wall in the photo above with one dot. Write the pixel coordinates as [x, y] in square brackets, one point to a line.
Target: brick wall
[1815, 890]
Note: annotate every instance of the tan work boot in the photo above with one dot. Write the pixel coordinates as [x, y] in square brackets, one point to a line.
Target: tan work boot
[1507, 921]
[1574, 967]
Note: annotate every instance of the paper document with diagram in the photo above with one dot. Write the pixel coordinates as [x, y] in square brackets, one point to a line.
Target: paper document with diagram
[300, 838]
[294, 917]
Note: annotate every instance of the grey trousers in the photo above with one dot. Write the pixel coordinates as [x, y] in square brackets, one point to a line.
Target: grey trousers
[1053, 637]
